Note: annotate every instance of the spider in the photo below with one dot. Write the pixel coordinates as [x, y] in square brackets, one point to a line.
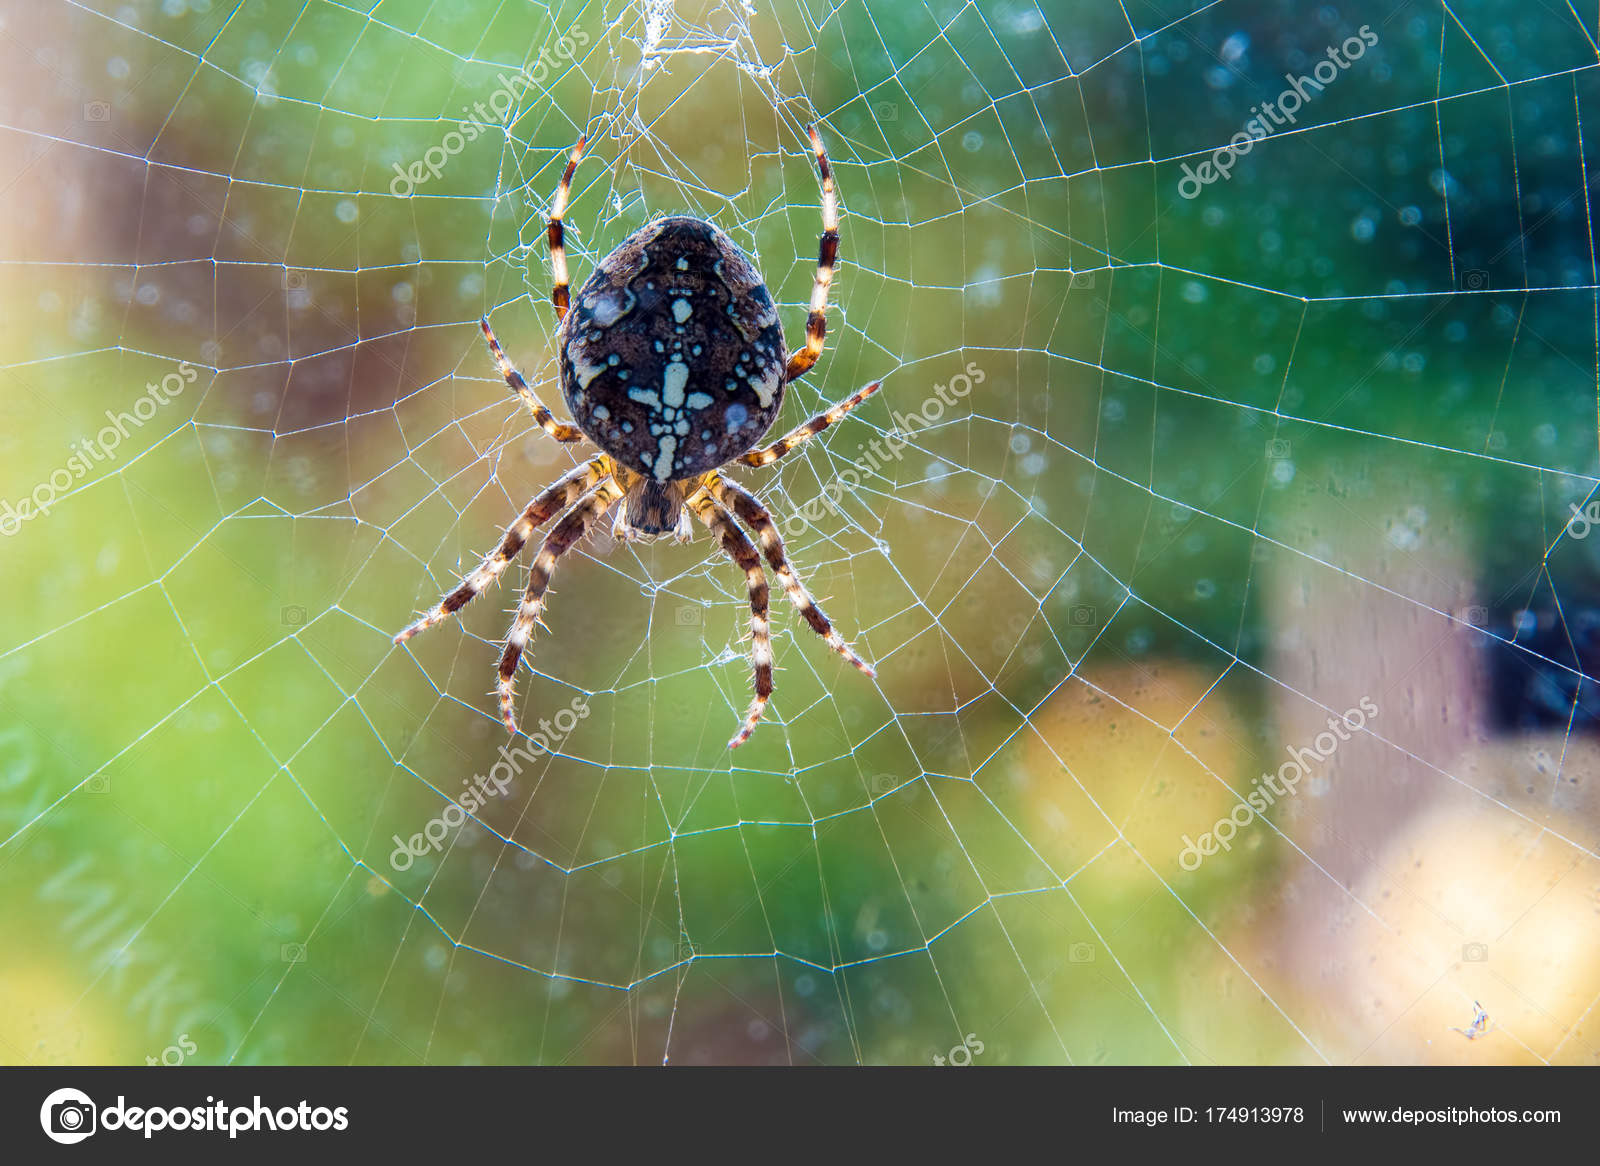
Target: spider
[673, 362]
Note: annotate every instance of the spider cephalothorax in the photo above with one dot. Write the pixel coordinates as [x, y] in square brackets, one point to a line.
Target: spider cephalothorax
[673, 362]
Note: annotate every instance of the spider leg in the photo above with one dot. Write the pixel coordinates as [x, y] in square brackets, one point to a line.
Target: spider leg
[574, 523]
[556, 429]
[759, 519]
[560, 493]
[717, 519]
[554, 235]
[684, 530]
[827, 257]
[804, 433]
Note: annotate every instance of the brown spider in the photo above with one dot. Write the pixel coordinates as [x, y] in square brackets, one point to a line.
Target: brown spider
[673, 362]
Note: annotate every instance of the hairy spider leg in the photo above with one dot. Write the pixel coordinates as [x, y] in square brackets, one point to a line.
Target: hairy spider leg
[555, 235]
[559, 430]
[756, 516]
[804, 433]
[562, 493]
[739, 548]
[827, 258]
[572, 527]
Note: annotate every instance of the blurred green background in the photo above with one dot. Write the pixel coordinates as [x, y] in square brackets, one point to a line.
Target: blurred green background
[1233, 464]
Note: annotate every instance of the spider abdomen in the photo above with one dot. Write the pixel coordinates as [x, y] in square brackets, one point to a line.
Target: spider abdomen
[672, 357]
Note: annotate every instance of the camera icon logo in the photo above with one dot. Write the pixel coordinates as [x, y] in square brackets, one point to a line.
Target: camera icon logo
[1474, 953]
[292, 616]
[1278, 447]
[292, 953]
[1081, 953]
[97, 111]
[1082, 279]
[68, 1116]
[689, 615]
[1082, 615]
[1475, 280]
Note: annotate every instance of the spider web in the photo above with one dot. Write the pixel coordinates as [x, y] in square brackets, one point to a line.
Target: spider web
[1156, 486]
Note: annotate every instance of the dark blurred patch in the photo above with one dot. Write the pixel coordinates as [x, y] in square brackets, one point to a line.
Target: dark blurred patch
[311, 306]
[1542, 668]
